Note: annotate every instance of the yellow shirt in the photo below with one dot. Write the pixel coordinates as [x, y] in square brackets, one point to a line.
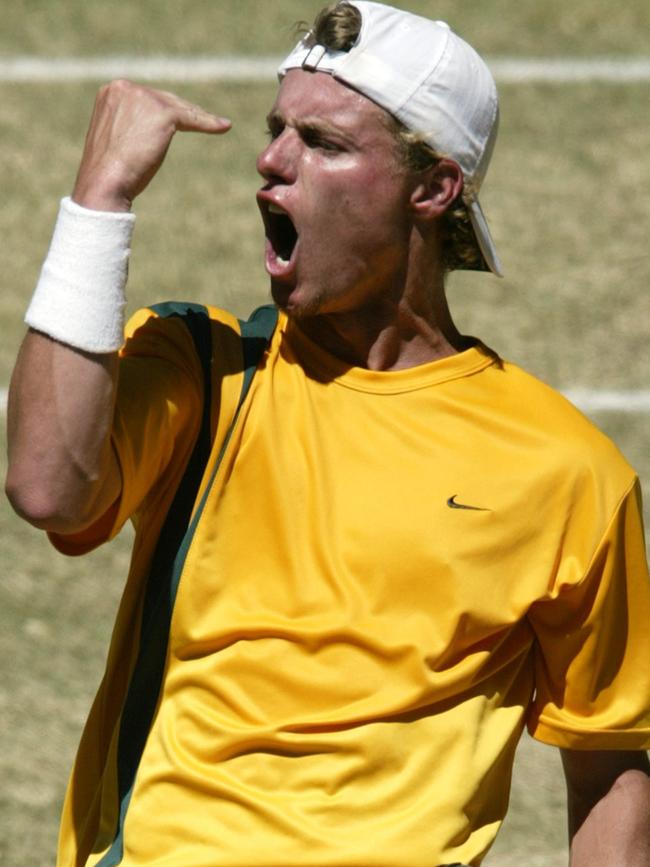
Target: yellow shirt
[392, 574]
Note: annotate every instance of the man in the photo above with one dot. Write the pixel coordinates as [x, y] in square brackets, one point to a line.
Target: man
[404, 550]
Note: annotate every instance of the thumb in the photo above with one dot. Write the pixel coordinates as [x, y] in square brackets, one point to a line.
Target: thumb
[193, 118]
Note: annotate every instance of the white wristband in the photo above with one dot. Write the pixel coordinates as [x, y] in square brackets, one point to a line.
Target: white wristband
[79, 298]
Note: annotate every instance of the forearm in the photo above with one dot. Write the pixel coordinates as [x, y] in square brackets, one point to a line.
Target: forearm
[615, 831]
[62, 472]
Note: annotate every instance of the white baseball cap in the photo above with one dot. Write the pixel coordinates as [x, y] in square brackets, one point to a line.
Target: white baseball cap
[428, 78]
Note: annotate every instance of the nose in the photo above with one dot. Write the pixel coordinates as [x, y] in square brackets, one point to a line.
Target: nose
[278, 160]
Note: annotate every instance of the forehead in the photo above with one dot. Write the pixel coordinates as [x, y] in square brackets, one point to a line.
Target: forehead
[319, 96]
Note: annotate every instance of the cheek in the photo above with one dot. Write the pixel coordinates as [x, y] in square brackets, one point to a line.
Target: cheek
[362, 200]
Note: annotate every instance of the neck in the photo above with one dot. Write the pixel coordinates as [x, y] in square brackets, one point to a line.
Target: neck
[392, 333]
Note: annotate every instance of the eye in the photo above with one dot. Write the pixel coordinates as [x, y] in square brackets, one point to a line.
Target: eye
[315, 139]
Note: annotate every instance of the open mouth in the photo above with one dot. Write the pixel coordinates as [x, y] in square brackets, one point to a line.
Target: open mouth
[281, 233]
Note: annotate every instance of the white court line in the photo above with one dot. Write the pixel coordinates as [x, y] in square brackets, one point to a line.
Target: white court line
[588, 400]
[250, 69]
[568, 69]
[591, 400]
[34, 69]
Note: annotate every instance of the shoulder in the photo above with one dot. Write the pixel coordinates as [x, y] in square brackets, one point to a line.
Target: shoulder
[560, 425]
[171, 327]
[546, 440]
[188, 334]
[180, 344]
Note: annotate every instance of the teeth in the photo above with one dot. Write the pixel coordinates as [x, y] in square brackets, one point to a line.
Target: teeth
[282, 261]
[275, 209]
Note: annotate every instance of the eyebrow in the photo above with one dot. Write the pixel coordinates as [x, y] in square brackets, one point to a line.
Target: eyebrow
[309, 124]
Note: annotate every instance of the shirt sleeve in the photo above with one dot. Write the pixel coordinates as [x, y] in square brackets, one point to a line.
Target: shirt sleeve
[157, 415]
[592, 654]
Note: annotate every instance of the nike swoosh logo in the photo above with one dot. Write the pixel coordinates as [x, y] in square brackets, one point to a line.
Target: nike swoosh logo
[451, 502]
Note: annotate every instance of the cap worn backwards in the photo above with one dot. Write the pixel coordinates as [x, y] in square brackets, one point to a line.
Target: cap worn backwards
[428, 78]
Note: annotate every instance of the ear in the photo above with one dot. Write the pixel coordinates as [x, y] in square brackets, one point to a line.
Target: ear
[437, 190]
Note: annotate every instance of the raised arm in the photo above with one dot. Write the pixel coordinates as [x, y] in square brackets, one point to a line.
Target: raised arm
[608, 797]
[62, 473]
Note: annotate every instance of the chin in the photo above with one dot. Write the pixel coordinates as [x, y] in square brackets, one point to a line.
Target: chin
[297, 304]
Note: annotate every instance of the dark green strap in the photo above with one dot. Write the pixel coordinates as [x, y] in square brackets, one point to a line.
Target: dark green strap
[172, 547]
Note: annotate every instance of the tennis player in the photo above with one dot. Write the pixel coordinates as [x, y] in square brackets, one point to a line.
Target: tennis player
[369, 552]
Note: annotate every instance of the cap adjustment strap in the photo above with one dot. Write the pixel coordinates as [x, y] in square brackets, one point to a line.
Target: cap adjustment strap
[314, 57]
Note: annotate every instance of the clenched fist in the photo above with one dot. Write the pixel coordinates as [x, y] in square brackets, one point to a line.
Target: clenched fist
[130, 131]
